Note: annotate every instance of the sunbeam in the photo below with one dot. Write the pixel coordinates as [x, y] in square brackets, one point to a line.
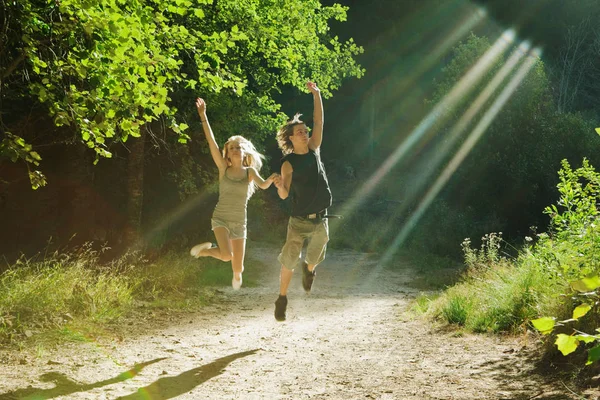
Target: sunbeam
[459, 128]
[437, 115]
[177, 214]
[464, 150]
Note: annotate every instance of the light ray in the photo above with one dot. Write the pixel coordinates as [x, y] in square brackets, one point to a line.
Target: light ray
[177, 214]
[465, 149]
[438, 114]
[458, 129]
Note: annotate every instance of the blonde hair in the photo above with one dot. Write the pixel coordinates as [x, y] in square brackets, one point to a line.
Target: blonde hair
[252, 158]
[284, 133]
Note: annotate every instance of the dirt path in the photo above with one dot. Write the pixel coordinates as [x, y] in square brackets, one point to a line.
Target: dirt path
[349, 339]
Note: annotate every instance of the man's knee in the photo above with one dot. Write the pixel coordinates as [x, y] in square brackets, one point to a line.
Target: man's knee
[286, 269]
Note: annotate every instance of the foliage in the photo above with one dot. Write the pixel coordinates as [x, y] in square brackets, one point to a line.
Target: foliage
[63, 286]
[557, 275]
[521, 149]
[110, 68]
[76, 288]
[575, 224]
[495, 294]
[15, 148]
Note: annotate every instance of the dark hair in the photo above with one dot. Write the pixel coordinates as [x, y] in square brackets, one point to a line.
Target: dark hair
[284, 133]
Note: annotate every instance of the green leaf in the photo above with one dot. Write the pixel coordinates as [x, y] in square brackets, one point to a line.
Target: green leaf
[598, 131]
[544, 324]
[581, 310]
[585, 338]
[586, 284]
[37, 179]
[566, 344]
[199, 13]
[593, 355]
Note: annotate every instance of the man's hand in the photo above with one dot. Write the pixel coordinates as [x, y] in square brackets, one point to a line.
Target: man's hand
[312, 87]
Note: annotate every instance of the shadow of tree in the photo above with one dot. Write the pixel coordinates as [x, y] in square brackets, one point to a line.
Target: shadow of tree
[65, 386]
[172, 386]
[525, 380]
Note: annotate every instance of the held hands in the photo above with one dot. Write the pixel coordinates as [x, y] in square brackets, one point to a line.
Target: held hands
[277, 181]
[201, 107]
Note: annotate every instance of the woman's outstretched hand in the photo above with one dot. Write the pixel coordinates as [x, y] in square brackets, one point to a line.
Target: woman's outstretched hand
[201, 107]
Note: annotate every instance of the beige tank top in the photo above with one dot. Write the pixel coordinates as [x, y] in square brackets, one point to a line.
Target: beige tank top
[233, 199]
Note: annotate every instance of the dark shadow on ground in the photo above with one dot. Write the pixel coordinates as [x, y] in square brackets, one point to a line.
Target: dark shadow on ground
[523, 366]
[65, 386]
[173, 386]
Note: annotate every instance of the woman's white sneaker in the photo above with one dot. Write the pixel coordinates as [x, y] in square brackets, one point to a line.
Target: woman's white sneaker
[195, 251]
[235, 283]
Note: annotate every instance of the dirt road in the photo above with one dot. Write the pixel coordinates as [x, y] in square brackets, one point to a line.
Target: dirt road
[349, 339]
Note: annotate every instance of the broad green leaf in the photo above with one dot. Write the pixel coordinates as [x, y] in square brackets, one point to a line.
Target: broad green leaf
[566, 344]
[586, 284]
[544, 324]
[598, 131]
[593, 355]
[585, 338]
[581, 310]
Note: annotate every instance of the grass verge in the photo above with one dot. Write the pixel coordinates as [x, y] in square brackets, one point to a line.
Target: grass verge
[71, 295]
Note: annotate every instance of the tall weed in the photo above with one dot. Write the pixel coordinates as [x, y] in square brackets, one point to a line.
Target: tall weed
[76, 288]
[496, 294]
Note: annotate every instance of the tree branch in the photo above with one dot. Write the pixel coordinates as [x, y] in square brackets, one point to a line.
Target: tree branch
[11, 68]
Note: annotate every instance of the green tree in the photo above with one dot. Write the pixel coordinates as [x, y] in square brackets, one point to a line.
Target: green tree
[109, 68]
[510, 171]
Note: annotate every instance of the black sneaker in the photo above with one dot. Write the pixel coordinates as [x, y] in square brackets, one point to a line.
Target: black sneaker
[307, 277]
[280, 306]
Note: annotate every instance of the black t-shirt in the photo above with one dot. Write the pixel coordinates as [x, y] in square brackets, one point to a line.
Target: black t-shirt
[309, 191]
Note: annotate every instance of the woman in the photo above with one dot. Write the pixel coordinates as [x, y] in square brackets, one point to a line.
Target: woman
[238, 178]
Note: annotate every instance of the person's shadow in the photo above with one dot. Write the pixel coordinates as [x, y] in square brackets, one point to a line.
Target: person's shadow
[163, 388]
[65, 386]
[172, 386]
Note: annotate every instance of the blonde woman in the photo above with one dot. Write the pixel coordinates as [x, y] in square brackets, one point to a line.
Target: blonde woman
[238, 166]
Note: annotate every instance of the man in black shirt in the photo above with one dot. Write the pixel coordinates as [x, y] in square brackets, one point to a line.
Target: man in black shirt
[304, 181]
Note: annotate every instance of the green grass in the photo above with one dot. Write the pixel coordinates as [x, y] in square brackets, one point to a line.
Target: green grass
[67, 294]
[499, 297]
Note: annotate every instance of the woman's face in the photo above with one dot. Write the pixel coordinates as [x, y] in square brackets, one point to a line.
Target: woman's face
[235, 151]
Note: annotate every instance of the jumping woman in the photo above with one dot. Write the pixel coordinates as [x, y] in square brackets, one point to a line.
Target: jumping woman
[238, 166]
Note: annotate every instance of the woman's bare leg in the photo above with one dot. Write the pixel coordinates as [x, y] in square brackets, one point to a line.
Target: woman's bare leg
[224, 250]
[237, 260]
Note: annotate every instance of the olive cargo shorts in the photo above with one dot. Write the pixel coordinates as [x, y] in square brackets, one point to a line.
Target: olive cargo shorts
[316, 231]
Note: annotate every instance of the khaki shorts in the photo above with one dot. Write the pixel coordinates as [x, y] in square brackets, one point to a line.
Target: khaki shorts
[236, 230]
[316, 231]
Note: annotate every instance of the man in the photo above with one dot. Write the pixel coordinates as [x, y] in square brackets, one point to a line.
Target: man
[303, 179]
